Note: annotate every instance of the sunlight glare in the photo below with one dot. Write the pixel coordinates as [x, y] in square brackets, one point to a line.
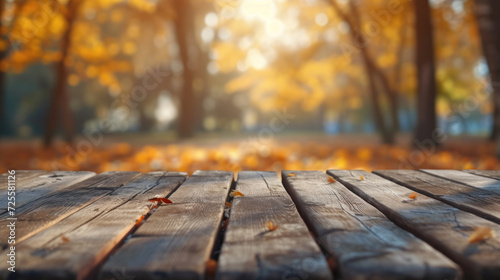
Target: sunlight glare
[321, 19]
[261, 9]
[256, 59]
[166, 111]
[274, 27]
[211, 19]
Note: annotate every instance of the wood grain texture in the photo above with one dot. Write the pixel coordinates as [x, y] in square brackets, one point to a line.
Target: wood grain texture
[91, 234]
[44, 185]
[260, 184]
[363, 242]
[176, 241]
[251, 251]
[20, 177]
[439, 224]
[480, 202]
[47, 211]
[468, 179]
[494, 174]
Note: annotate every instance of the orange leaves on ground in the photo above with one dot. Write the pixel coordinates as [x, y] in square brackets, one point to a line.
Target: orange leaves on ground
[480, 234]
[270, 226]
[160, 200]
[330, 179]
[139, 221]
[291, 175]
[235, 193]
[64, 239]
[228, 204]
[283, 154]
[157, 201]
[413, 195]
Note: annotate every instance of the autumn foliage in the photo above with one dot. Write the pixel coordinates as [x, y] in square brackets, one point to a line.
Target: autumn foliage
[277, 156]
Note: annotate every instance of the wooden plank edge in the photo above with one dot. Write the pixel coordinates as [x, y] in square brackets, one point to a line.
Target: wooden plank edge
[463, 207]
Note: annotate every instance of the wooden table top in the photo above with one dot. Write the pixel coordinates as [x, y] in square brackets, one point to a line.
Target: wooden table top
[342, 224]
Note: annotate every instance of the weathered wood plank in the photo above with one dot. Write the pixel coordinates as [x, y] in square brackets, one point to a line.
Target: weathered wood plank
[91, 237]
[260, 184]
[45, 212]
[43, 185]
[494, 174]
[21, 176]
[480, 202]
[24, 174]
[176, 241]
[439, 224]
[251, 251]
[363, 242]
[467, 179]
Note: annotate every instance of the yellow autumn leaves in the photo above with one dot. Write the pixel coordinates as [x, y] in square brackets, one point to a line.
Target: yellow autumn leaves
[481, 234]
[235, 193]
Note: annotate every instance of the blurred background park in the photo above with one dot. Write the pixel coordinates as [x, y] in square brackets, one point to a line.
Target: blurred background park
[249, 84]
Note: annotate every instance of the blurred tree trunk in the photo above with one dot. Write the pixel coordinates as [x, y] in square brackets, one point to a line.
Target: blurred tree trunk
[398, 69]
[183, 20]
[59, 107]
[394, 89]
[392, 96]
[200, 94]
[426, 89]
[488, 20]
[387, 135]
[371, 70]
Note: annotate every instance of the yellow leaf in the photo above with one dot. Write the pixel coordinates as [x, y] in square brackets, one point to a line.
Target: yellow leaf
[481, 234]
[270, 226]
[235, 193]
[139, 221]
[64, 239]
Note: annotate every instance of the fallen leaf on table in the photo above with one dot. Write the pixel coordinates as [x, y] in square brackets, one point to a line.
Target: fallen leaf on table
[160, 200]
[139, 221]
[64, 238]
[291, 175]
[235, 193]
[330, 179]
[228, 204]
[270, 226]
[481, 234]
[361, 178]
[211, 268]
[413, 195]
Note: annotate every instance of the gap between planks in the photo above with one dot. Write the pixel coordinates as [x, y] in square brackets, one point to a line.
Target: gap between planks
[178, 239]
[104, 224]
[363, 242]
[443, 226]
[251, 250]
[477, 201]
